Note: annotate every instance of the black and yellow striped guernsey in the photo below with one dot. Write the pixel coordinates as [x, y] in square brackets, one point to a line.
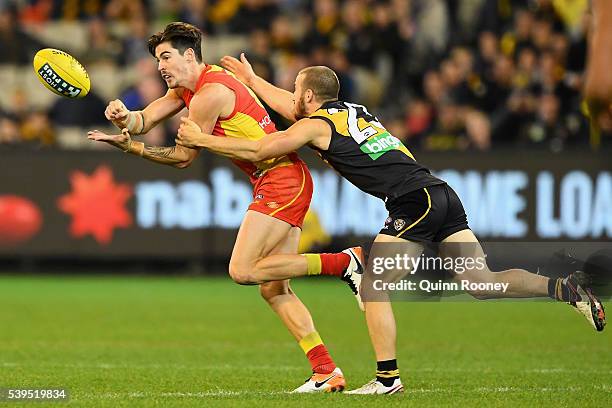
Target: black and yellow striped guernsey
[367, 155]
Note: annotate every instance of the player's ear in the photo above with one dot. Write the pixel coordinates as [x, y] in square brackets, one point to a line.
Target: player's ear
[309, 95]
[189, 54]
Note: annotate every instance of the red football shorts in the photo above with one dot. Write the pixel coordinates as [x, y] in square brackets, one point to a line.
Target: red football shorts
[284, 193]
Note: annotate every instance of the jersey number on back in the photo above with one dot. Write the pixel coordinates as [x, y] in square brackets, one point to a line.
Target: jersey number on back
[377, 141]
[353, 126]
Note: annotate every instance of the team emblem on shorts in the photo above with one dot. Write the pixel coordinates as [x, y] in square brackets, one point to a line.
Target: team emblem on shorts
[399, 224]
[272, 204]
[387, 222]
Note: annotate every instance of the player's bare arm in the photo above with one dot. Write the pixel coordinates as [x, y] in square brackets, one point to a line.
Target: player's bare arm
[277, 98]
[139, 122]
[211, 102]
[206, 106]
[598, 82]
[177, 156]
[304, 132]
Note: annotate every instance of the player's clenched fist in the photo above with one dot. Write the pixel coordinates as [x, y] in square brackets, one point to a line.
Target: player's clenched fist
[117, 113]
[242, 69]
[189, 134]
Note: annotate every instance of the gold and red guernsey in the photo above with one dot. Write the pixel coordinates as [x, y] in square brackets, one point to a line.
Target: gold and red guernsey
[249, 120]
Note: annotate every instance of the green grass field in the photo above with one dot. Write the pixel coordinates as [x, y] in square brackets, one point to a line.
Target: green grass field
[149, 341]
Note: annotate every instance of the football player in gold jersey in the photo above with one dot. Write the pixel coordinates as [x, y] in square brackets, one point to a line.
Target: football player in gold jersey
[224, 106]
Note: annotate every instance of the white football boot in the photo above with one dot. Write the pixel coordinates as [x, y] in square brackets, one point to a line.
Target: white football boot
[376, 387]
[354, 272]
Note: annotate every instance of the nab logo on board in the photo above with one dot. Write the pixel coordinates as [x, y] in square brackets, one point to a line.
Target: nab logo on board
[576, 205]
[193, 204]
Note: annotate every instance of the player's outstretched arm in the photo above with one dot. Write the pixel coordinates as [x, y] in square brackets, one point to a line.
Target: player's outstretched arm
[304, 132]
[177, 156]
[598, 82]
[205, 108]
[277, 98]
[139, 122]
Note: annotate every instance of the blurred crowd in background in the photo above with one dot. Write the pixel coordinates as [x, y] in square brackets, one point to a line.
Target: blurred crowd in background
[442, 75]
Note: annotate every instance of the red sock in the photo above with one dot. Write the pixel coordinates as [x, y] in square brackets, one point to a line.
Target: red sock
[334, 264]
[320, 360]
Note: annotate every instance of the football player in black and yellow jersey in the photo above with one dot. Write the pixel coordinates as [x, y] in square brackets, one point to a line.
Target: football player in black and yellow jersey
[422, 208]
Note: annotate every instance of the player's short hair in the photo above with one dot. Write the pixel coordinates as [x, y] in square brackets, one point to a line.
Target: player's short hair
[323, 82]
[182, 36]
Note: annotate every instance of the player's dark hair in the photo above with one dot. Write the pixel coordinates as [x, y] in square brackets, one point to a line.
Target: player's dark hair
[323, 82]
[182, 36]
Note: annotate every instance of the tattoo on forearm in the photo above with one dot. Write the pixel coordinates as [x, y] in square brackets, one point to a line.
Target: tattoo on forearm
[160, 152]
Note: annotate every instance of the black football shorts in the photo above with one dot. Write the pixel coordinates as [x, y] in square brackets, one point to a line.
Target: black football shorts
[429, 214]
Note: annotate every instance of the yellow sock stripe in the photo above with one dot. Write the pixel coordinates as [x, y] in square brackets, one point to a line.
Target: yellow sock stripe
[422, 216]
[313, 264]
[396, 371]
[388, 374]
[310, 341]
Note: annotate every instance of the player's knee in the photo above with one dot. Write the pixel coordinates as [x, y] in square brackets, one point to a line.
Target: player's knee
[270, 290]
[241, 274]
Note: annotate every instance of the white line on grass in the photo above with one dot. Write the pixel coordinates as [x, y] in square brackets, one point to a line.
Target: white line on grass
[111, 366]
[269, 367]
[177, 394]
[243, 393]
